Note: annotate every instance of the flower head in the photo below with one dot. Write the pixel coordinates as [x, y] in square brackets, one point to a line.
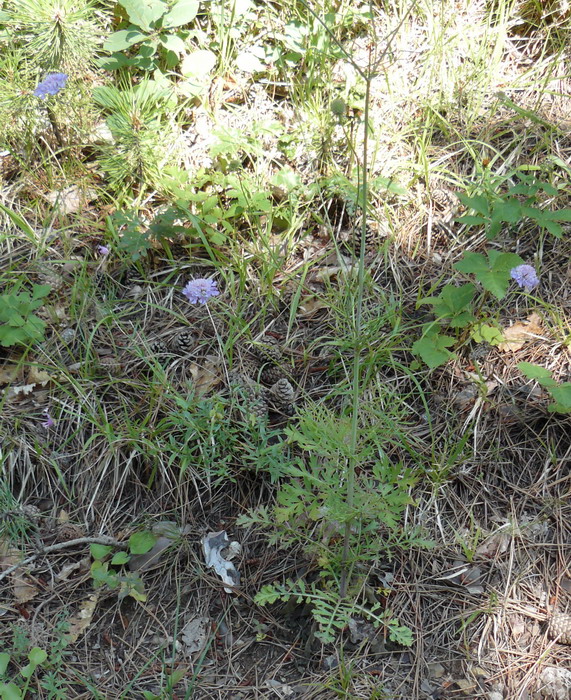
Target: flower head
[525, 276]
[103, 250]
[49, 422]
[199, 291]
[51, 85]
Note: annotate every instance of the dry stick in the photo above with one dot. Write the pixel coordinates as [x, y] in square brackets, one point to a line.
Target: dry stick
[102, 539]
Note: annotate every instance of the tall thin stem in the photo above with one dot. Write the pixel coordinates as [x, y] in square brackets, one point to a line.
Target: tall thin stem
[351, 464]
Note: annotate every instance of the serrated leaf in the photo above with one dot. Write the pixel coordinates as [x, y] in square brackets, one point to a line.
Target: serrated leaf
[432, 349]
[561, 395]
[560, 215]
[472, 263]
[540, 374]
[141, 542]
[182, 12]
[477, 202]
[124, 39]
[483, 333]
[470, 220]
[553, 227]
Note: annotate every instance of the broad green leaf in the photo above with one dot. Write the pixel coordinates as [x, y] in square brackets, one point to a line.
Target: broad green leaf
[432, 349]
[198, 63]
[508, 210]
[99, 551]
[39, 291]
[120, 558]
[560, 215]
[37, 656]
[484, 333]
[141, 542]
[471, 220]
[119, 41]
[553, 227]
[561, 395]
[144, 13]
[182, 12]
[472, 263]
[9, 691]
[540, 374]
[477, 202]
[173, 43]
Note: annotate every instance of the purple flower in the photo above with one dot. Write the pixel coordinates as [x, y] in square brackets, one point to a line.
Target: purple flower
[103, 250]
[49, 422]
[51, 85]
[201, 290]
[525, 276]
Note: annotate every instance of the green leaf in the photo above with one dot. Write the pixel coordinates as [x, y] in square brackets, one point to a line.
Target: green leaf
[540, 374]
[99, 551]
[560, 215]
[39, 291]
[483, 333]
[120, 558]
[10, 692]
[477, 202]
[144, 13]
[471, 220]
[561, 395]
[173, 43]
[198, 63]
[4, 661]
[119, 41]
[141, 542]
[37, 656]
[432, 349]
[182, 12]
[553, 227]
[472, 263]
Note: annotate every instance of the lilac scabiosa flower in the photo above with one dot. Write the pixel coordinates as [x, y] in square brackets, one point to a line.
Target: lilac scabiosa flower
[199, 291]
[103, 250]
[51, 85]
[525, 276]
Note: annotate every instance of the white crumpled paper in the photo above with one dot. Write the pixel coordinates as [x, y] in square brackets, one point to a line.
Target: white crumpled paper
[213, 545]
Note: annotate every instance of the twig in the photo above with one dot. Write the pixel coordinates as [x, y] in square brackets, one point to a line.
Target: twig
[102, 539]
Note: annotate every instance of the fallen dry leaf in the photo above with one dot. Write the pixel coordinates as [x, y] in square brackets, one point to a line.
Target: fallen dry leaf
[311, 304]
[70, 199]
[9, 373]
[80, 622]
[515, 336]
[22, 588]
[207, 375]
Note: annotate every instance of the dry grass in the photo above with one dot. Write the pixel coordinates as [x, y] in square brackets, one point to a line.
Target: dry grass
[493, 464]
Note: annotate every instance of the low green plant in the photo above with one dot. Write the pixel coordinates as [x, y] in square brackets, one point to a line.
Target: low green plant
[17, 688]
[313, 509]
[560, 393]
[104, 571]
[455, 309]
[18, 325]
[151, 35]
[519, 202]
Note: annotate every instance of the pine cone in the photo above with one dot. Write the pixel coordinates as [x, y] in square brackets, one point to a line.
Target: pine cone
[271, 374]
[560, 627]
[267, 348]
[184, 341]
[283, 395]
[158, 347]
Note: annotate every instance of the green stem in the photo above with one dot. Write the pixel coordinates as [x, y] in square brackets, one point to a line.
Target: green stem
[351, 462]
